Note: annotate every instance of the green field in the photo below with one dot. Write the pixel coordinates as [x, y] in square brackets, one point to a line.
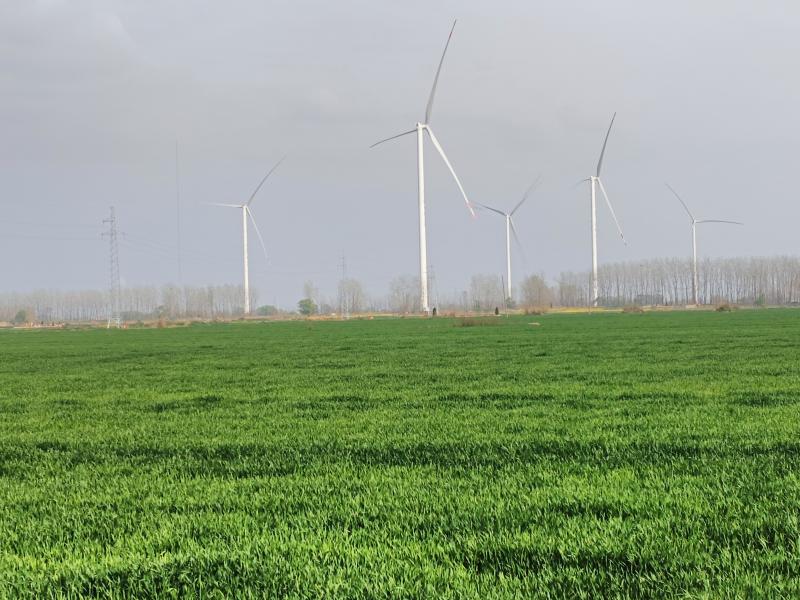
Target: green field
[634, 455]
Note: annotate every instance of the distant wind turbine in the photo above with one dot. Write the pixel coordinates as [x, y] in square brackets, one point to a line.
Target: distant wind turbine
[510, 230]
[595, 181]
[420, 127]
[245, 208]
[695, 222]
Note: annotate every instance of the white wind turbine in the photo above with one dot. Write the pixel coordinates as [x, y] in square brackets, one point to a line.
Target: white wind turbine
[595, 181]
[245, 208]
[510, 230]
[695, 222]
[419, 129]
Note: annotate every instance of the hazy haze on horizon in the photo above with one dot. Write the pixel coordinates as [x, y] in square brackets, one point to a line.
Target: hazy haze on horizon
[94, 95]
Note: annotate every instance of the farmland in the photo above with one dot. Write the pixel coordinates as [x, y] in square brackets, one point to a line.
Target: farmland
[638, 455]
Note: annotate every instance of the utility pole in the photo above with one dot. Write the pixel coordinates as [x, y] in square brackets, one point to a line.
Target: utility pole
[343, 308]
[178, 213]
[114, 318]
[434, 289]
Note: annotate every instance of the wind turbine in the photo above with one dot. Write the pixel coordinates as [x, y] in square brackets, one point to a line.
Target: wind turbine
[245, 208]
[695, 223]
[595, 181]
[419, 129]
[510, 230]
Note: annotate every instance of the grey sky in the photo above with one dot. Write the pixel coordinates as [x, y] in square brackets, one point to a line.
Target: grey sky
[94, 94]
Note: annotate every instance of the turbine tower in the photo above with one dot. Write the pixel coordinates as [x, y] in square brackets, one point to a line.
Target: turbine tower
[510, 230]
[695, 223]
[419, 129]
[245, 208]
[594, 182]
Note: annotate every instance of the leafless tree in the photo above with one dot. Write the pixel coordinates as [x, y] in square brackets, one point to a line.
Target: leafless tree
[486, 292]
[404, 294]
[534, 291]
[351, 296]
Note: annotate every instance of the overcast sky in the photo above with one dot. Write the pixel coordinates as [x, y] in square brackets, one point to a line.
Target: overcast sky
[94, 96]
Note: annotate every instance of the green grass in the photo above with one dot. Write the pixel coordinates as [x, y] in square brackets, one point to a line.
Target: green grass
[631, 455]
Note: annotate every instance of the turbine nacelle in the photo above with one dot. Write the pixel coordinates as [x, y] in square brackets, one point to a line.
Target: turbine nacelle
[594, 182]
[511, 230]
[418, 129]
[246, 212]
[695, 223]
[695, 220]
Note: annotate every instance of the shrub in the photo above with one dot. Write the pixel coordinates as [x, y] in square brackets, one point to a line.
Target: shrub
[475, 322]
[632, 308]
[267, 311]
[307, 307]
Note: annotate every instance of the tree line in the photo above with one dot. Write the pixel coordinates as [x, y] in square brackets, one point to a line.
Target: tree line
[665, 282]
[136, 303]
[668, 282]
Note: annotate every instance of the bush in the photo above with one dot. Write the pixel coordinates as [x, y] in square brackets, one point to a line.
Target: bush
[724, 307]
[632, 308]
[307, 307]
[535, 310]
[475, 322]
[267, 311]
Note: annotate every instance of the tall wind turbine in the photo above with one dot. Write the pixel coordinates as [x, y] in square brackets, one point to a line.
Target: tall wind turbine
[245, 208]
[419, 129]
[695, 223]
[510, 230]
[594, 182]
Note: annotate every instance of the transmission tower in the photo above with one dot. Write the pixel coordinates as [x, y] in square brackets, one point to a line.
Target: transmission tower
[114, 318]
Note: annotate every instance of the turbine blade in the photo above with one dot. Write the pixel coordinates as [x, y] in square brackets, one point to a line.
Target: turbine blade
[517, 240]
[393, 137]
[581, 182]
[527, 193]
[603, 151]
[258, 233]
[429, 107]
[263, 180]
[611, 208]
[691, 216]
[719, 221]
[499, 212]
[449, 166]
[218, 204]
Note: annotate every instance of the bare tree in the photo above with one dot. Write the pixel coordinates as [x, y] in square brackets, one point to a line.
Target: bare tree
[351, 296]
[486, 292]
[573, 289]
[404, 294]
[534, 291]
